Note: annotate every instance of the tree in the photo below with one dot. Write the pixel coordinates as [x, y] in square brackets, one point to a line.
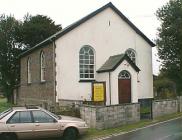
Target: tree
[9, 50]
[15, 37]
[164, 88]
[169, 41]
[37, 28]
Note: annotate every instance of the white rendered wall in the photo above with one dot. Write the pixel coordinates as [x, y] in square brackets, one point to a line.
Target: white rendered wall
[107, 40]
[105, 77]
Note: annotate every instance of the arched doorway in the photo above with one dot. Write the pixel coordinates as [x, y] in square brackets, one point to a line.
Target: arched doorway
[124, 87]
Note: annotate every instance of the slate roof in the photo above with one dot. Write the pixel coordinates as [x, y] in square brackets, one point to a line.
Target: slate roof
[76, 24]
[114, 61]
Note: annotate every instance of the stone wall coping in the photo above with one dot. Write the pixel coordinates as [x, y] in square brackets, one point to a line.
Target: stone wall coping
[161, 100]
[70, 100]
[96, 106]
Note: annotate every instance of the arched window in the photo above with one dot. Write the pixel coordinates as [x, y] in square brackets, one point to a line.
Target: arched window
[132, 54]
[29, 80]
[86, 60]
[124, 75]
[42, 66]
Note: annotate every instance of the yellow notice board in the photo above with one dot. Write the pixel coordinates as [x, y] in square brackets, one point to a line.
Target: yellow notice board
[98, 92]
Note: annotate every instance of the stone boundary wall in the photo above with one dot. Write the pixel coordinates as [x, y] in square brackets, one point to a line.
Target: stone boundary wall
[102, 117]
[69, 103]
[164, 107]
[179, 98]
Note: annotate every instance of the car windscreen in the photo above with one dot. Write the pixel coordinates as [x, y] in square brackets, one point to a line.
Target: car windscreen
[54, 115]
[4, 113]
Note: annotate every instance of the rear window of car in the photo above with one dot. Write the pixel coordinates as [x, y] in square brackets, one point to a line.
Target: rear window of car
[5, 113]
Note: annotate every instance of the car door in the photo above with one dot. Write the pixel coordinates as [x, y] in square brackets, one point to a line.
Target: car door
[21, 123]
[45, 125]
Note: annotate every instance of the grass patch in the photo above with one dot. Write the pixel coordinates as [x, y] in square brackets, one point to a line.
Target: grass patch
[145, 110]
[168, 117]
[4, 105]
[94, 133]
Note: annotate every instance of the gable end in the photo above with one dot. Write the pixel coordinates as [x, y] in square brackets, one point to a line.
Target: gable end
[79, 22]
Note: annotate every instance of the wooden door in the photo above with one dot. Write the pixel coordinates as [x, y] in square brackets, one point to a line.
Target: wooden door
[124, 87]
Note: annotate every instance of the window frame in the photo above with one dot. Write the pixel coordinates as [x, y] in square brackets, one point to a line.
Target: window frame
[86, 63]
[124, 78]
[134, 52]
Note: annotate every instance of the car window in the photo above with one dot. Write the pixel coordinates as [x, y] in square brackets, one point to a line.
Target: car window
[15, 118]
[42, 117]
[21, 117]
[25, 117]
[54, 115]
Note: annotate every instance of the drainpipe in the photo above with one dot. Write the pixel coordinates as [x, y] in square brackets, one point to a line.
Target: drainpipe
[110, 87]
[54, 72]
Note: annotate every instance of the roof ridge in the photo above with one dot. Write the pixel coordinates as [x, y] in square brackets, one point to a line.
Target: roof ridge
[118, 54]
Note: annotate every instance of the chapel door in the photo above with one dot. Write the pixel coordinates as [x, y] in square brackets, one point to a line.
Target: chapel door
[124, 87]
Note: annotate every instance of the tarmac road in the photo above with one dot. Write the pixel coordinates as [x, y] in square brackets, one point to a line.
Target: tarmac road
[171, 130]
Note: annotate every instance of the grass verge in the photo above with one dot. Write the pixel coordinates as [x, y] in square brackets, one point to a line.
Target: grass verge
[3, 104]
[93, 133]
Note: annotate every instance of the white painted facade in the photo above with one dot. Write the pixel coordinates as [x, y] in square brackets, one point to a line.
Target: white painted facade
[108, 35]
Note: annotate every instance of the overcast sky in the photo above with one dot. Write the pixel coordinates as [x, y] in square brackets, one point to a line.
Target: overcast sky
[65, 12]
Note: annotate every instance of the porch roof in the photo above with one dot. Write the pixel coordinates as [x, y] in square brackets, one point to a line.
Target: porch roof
[114, 61]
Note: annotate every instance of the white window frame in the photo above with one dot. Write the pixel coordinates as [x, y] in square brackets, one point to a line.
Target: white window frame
[133, 58]
[124, 74]
[87, 63]
[42, 67]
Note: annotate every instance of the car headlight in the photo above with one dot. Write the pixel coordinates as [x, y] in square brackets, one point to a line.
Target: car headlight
[82, 125]
[85, 125]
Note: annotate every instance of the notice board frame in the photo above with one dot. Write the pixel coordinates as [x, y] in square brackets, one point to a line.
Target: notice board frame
[104, 85]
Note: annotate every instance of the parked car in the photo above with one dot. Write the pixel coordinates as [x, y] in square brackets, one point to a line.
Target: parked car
[36, 122]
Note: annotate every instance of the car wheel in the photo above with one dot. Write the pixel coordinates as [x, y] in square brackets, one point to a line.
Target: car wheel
[70, 134]
[9, 136]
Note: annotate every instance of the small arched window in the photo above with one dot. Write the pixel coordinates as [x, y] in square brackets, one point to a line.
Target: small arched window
[42, 66]
[29, 80]
[124, 75]
[131, 54]
[86, 60]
